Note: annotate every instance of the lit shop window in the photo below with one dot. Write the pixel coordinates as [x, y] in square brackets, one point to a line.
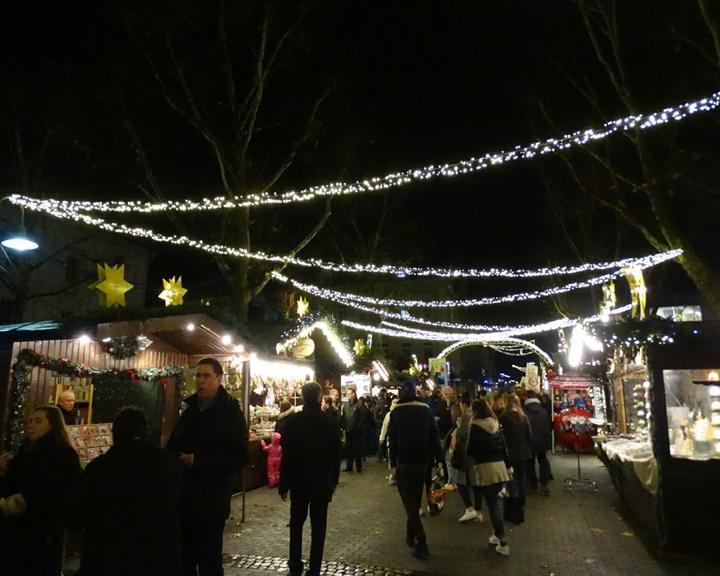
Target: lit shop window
[680, 313]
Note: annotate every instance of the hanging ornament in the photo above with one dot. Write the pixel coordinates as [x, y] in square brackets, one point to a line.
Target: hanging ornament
[638, 291]
[359, 347]
[173, 291]
[303, 307]
[303, 348]
[609, 301]
[287, 301]
[111, 285]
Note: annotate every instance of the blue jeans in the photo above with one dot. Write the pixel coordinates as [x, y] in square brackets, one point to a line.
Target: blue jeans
[492, 498]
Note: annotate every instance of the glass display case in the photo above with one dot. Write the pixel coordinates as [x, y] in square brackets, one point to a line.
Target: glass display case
[693, 413]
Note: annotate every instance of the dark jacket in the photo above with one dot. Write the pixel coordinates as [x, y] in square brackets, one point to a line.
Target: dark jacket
[218, 438]
[518, 436]
[540, 425]
[355, 417]
[281, 422]
[45, 474]
[310, 466]
[487, 445]
[413, 434]
[127, 502]
[72, 418]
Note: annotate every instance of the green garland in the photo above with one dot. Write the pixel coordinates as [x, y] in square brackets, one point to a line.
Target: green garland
[122, 347]
[28, 359]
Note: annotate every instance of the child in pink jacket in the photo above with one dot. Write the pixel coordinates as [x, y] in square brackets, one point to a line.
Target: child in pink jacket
[274, 451]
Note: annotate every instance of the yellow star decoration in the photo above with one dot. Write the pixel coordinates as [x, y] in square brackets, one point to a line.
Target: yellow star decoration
[303, 307]
[111, 285]
[173, 291]
[359, 347]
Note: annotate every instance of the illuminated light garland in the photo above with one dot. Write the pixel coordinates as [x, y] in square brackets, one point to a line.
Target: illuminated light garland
[514, 348]
[343, 353]
[407, 317]
[397, 179]
[47, 207]
[505, 344]
[520, 330]
[345, 297]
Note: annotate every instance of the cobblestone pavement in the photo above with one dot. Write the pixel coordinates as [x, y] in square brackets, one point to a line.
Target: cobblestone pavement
[564, 534]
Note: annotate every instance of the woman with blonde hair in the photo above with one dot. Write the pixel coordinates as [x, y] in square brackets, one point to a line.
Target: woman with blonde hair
[33, 488]
[492, 467]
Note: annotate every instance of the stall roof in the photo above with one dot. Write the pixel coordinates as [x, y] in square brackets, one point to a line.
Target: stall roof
[205, 337]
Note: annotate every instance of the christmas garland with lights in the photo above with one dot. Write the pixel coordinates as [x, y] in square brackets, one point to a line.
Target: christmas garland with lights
[122, 347]
[631, 334]
[28, 359]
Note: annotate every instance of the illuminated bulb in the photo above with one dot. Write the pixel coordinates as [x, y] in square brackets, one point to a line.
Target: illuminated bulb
[713, 376]
[84, 339]
[226, 339]
[190, 327]
[106, 340]
[577, 341]
[239, 348]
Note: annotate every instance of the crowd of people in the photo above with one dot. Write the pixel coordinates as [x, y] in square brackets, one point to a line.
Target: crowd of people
[142, 509]
[148, 510]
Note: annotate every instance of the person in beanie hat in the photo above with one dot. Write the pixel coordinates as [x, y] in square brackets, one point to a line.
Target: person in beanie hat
[414, 444]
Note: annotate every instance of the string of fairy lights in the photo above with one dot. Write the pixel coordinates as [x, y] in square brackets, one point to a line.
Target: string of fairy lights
[402, 178]
[345, 297]
[51, 209]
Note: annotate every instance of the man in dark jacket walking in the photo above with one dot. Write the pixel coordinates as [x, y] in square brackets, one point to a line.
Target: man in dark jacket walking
[310, 471]
[210, 440]
[414, 444]
[540, 425]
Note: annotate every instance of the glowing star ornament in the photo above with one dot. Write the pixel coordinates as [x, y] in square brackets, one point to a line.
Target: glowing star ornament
[112, 285]
[303, 307]
[359, 347]
[173, 291]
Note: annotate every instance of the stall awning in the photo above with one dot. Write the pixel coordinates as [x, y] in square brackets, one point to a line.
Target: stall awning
[574, 381]
[191, 334]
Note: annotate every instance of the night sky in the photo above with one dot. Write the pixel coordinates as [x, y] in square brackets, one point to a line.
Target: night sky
[409, 84]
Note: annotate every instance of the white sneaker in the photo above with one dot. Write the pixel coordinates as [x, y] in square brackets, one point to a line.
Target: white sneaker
[503, 549]
[478, 516]
[494, 540]
[469, 515]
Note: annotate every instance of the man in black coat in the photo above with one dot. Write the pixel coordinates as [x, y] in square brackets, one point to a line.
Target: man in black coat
[541, 442]
[210, 440]
[310, 471]
[127, 502]
[354, 419]
[414, 444]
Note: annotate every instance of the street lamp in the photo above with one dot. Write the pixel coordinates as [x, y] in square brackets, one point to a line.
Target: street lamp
[19, 241]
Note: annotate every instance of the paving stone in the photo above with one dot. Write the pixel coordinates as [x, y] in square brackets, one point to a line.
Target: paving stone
[566, 533]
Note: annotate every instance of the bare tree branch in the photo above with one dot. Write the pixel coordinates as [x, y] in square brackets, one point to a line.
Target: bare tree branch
[712, 26]
[304, 242]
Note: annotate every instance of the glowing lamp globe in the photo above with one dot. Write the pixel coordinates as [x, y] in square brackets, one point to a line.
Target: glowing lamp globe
[20, 242]
[303, 348]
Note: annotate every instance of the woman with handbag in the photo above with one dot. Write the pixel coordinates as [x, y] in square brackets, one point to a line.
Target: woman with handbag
[492, 466]
[461, 466]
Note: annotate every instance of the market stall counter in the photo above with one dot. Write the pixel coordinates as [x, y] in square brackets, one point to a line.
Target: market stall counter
[668, 471]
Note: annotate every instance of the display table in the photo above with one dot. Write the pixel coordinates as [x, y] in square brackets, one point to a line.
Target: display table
[634, 472]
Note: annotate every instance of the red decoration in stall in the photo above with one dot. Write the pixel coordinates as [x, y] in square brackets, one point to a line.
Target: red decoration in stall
[573, 430]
